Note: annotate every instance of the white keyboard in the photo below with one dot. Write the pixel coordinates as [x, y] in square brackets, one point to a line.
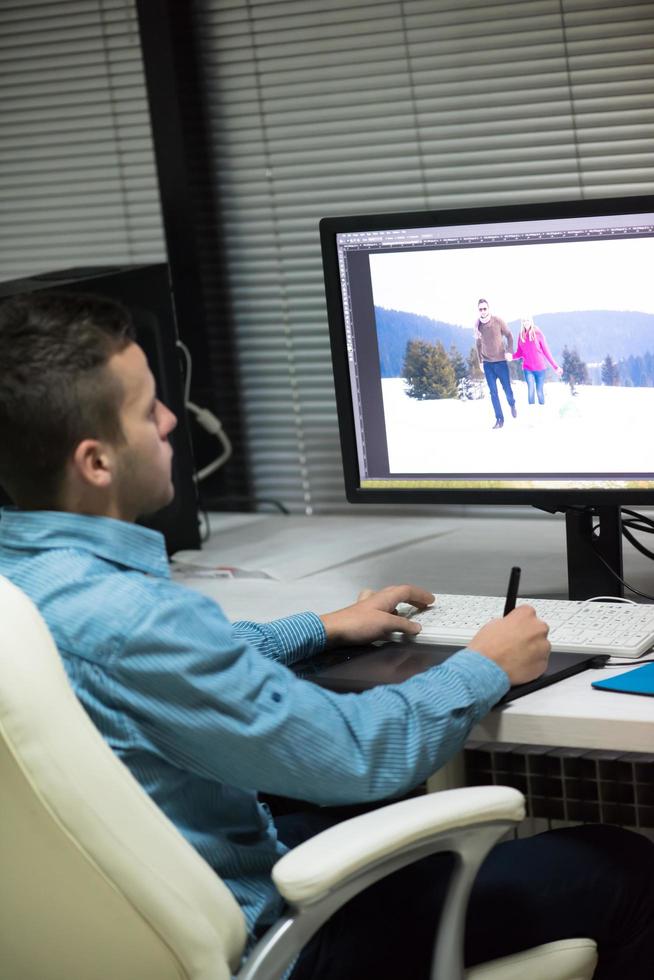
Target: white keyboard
[619, 629]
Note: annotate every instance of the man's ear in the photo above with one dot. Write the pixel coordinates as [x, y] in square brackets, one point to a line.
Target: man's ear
[93, 463]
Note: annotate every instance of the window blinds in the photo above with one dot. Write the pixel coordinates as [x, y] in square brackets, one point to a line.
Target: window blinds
[78, 183]
[346, 107]
[329, 107]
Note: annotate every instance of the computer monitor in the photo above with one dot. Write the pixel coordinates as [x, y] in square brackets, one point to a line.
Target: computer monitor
[416, 416]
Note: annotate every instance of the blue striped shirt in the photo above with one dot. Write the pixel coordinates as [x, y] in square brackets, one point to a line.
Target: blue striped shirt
[205, 713]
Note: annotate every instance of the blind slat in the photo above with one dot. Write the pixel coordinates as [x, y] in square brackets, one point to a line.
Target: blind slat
[77, 175]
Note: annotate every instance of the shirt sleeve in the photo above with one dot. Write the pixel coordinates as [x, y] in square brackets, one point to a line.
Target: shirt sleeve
[201, 695]
[287, 640]
[509, 336]
[545, 351]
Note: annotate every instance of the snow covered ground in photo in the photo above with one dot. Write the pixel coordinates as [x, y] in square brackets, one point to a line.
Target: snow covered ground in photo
[599, 430]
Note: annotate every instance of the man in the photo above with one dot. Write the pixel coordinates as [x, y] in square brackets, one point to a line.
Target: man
[494, 341]
[204, 713]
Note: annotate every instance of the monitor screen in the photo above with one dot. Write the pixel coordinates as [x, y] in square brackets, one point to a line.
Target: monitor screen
[500, 354]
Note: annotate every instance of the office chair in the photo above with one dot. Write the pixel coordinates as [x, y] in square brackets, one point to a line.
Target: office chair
[97, 884]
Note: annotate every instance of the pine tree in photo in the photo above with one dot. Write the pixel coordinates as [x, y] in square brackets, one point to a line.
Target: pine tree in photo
[415, 369]
[648, 362]
[636, 371]
[575, 371]
[633, 372]
[475, 387]
[458, 363]
[610, 371]
[475, 370]
[464, 386]
[428, 371]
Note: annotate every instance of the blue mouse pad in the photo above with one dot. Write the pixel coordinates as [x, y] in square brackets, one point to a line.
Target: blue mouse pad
[638, 681]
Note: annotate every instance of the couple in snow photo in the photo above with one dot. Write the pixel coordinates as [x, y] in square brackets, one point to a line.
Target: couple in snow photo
[494, 343]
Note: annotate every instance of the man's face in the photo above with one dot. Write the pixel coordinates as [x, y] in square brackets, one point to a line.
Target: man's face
[143, 475]
[484, 312]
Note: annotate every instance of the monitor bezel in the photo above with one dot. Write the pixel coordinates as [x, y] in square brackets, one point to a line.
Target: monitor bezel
[547, 499]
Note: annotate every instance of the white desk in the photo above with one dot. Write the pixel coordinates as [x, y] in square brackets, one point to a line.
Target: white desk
[321, 563]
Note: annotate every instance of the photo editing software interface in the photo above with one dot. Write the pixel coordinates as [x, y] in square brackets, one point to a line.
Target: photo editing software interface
[509, 353]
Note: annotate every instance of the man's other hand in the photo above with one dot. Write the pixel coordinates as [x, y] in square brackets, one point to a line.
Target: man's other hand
[374, 616]
[517, 643]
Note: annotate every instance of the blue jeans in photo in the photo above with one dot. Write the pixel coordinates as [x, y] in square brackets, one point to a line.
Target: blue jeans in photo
[495, 371]
[535, 386]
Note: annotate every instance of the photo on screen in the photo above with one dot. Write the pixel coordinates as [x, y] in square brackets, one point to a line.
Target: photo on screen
[586, 411]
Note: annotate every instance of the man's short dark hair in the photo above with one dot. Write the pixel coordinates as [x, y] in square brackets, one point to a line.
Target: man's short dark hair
[480, 301]
[55, 389]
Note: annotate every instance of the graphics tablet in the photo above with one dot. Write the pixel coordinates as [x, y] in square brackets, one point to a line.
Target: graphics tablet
[360, 668]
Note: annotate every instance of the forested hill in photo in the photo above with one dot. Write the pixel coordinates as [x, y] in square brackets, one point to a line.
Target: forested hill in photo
[395, 329]
[593, 333]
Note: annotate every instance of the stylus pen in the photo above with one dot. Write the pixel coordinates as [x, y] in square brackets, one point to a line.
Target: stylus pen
[512, 590]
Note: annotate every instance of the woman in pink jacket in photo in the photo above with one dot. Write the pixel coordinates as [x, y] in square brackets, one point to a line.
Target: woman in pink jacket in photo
[535, 355]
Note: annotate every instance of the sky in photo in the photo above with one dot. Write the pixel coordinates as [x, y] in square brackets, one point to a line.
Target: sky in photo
[517, 280]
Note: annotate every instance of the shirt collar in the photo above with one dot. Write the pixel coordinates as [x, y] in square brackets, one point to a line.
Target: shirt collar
[120, 542]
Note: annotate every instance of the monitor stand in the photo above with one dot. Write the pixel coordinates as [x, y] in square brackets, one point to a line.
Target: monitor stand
[587, 574]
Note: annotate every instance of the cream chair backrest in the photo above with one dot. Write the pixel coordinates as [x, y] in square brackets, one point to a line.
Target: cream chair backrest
[95, 882]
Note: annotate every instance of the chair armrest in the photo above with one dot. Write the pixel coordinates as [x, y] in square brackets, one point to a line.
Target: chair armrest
[325, 872]
[318, 866]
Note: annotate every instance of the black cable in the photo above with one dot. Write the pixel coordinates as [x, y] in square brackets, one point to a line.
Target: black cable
[635, 543]
[638, 523]
[626, 585]
[640, 517]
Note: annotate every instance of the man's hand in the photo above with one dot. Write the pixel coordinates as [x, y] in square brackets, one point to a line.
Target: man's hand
[374, 616]
[517, 643]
